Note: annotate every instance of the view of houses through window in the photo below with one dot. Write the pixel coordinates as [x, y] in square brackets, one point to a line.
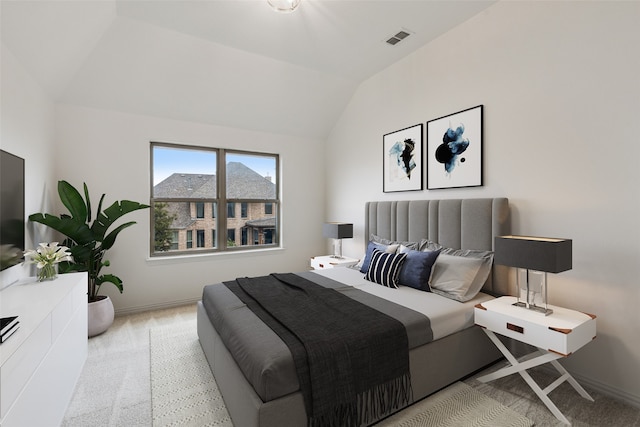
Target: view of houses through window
[210, 199]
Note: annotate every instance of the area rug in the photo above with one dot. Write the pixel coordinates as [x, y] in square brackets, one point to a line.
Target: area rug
[184, 392]
[456, 406]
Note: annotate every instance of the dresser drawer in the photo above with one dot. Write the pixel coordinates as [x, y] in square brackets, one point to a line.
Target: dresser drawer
[23, 363]
[65, 310]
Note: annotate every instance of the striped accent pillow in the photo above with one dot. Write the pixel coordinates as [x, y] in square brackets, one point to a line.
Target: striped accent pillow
[385, 268]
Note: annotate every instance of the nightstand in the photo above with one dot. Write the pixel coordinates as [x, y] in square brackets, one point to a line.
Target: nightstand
[557, 335]
[322, 262]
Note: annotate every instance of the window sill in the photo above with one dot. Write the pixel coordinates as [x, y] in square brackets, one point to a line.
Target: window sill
[187, 258]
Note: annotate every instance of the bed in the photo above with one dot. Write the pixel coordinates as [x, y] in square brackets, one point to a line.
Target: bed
[262, 390]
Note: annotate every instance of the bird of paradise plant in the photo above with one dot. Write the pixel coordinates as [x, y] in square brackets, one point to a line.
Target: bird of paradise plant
[88, 240]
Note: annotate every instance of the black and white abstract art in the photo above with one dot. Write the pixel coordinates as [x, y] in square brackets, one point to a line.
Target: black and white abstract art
[403, 161]
[454, 150]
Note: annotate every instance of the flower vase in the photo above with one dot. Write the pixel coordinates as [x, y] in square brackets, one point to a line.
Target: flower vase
[48, 272]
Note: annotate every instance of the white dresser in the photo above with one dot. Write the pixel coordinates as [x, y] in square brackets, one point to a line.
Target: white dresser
[42, 361]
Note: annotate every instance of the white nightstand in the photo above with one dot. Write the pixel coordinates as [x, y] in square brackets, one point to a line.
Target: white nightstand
[557, 335]
[322, 262]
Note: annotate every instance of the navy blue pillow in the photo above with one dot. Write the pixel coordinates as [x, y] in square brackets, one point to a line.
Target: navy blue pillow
[384, 268]
[367, 257]
[416, 270]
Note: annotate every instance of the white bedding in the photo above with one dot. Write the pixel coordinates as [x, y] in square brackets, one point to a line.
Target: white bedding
[447, 316]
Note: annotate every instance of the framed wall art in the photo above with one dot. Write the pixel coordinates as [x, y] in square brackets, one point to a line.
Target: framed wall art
[403, 160]
[454, 150]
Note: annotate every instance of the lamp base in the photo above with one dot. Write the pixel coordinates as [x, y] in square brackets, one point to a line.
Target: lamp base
[337, 249]
[533, 307]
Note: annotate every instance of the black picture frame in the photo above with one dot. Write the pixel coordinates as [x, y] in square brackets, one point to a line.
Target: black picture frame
[402, 165]
[455, 150]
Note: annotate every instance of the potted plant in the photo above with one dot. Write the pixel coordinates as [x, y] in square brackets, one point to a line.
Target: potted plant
[88, 241]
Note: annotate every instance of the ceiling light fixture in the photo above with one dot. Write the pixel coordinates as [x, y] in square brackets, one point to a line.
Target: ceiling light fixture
[284, 6]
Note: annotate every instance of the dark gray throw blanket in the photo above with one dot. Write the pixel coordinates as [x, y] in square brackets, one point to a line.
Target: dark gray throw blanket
[352, 361]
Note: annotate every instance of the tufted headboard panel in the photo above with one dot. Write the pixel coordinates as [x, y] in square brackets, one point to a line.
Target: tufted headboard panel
[455, 223]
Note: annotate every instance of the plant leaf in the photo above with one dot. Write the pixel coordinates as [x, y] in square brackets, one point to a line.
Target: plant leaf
[77, 231]
[86, 196]
[111, 279]
[105, 219]
[73, 201]
[110, 239]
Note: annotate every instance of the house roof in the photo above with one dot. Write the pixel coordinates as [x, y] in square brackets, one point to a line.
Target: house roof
[242, 183]
[262, 223]
[181, 214]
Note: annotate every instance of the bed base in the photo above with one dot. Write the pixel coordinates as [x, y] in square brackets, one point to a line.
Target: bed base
[431, 366]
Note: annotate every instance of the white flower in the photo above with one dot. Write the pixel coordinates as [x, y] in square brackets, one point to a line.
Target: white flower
[48, 254]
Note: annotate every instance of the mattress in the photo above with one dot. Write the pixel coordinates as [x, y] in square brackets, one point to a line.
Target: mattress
[266, 361]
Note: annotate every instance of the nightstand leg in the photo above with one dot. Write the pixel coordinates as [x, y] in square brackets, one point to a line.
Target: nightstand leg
[581, 391]
[529, 361]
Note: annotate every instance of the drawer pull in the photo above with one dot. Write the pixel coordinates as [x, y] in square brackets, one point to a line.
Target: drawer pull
[515, 328]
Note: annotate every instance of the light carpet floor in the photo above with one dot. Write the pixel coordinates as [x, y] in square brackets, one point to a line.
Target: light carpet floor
[184, 393]
[115, 386]
[183, 390]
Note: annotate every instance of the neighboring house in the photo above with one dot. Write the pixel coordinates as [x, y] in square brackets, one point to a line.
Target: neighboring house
[195, 223]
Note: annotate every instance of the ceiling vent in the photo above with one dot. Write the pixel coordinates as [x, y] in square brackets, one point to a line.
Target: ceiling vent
[398, 37]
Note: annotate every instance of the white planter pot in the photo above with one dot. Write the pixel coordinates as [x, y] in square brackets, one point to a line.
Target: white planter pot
[100, 314]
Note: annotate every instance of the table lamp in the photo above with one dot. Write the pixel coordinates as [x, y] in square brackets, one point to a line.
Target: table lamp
[538, 256]
[337, 231]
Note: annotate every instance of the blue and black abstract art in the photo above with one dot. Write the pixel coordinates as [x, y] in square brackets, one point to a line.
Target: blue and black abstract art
[453, 145]
[403, 152]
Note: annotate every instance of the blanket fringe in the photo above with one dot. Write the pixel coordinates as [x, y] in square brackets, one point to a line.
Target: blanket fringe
[370, 406]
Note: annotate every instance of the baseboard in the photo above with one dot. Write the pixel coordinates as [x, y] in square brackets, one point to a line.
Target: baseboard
[150, 307]
[608, 390]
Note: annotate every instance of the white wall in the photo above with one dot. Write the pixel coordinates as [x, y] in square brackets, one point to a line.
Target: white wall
[110, 152]
[26, 130]
[561, 94]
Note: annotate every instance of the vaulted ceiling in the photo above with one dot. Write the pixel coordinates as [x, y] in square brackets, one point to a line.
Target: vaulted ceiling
[226, 62]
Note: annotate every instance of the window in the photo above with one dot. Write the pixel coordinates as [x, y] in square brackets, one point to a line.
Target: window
[174, 242]
[188, 184]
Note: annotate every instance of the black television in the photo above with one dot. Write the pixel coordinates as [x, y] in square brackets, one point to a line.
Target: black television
[11, 209]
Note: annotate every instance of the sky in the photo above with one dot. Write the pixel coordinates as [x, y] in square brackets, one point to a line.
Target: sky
[168, 160]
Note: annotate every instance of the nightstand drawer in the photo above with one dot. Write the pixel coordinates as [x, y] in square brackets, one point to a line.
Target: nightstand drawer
[323, 262]
[563, 332]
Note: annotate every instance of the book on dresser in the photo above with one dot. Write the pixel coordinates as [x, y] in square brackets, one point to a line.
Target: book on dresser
[8, 325]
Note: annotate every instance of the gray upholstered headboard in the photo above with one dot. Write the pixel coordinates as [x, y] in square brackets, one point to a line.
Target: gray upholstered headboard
[457, 223]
